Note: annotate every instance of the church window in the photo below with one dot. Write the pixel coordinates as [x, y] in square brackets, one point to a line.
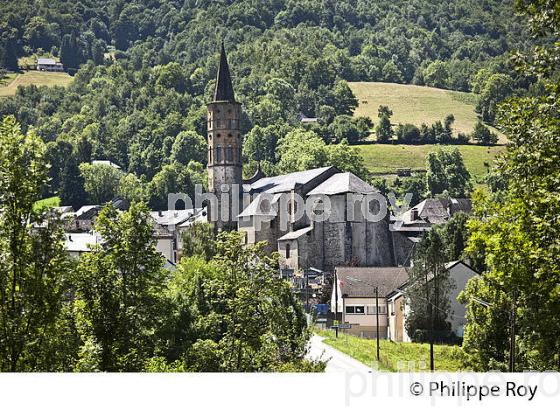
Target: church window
[210, 155]
[288, 251]
[218, 153]
[229, 153]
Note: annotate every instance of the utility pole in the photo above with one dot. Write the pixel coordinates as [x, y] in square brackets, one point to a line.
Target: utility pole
[432, 319]
[307, 292]
[335, 284]
[377, 319]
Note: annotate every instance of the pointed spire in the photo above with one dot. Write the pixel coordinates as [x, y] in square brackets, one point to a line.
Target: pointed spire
[224, 87]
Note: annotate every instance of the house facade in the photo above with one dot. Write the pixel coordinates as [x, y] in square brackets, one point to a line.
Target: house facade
[407, 229]
[459, 274]
[354, 298]
[49, 64]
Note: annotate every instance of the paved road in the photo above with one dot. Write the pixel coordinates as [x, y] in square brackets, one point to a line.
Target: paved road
[337, 361]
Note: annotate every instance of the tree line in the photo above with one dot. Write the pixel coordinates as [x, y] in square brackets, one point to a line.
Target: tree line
[438, 133]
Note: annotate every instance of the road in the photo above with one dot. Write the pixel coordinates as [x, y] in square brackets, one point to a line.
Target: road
[337, 361]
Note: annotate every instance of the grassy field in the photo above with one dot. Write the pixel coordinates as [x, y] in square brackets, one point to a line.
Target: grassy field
[8, 86]
[386, 159]
[416, 104]
[396, 356]
[47, 203]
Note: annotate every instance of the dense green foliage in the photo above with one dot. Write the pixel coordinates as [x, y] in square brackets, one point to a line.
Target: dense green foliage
[33, 263]
[442, 43]
[243, 317]
[119, 286]
[516, 229]
[446, 174]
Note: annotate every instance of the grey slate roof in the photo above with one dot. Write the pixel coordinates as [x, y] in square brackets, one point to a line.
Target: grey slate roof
[87, 211]
[105, 162]
[436, 210]
[361, 281]
[261, 206]
[224, 87]
[46, 61]
[64, 209]
[166, 218]
[287, 182]
[296, 234]
[343, 183]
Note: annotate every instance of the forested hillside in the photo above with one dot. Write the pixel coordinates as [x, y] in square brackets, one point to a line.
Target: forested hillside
[147, 70]
[368, 40]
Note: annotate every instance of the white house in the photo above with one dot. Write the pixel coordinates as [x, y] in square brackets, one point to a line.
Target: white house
[169, 226]
[78, 243]
[398, 308]
[354, 297]
[49, 64]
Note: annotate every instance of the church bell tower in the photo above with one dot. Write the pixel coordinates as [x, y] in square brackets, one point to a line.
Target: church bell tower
[224, 150]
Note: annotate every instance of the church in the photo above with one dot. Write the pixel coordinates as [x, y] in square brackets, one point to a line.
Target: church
[343, 236]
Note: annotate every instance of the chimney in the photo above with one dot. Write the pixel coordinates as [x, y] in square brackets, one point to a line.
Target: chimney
[160, 213]
[70, 238]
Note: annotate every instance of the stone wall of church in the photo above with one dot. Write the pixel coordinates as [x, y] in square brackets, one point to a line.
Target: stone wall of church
[334, 244]
[403, 248]
[379, 244]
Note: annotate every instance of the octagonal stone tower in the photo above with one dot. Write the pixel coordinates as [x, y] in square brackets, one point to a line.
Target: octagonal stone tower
[224, 150]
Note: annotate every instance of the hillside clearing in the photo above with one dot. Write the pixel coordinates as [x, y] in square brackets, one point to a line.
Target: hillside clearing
[38, 78]
[417, 104]
[47, 203]
[386, 158]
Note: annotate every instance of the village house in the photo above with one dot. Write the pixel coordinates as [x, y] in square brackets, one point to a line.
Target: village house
[459, 274]
[78, 243]
[407, 229]
[49, 64]
[168, 229]
[105, 162]
[354, 297]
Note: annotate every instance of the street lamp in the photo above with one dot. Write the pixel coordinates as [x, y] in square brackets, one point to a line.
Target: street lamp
[376, 288]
